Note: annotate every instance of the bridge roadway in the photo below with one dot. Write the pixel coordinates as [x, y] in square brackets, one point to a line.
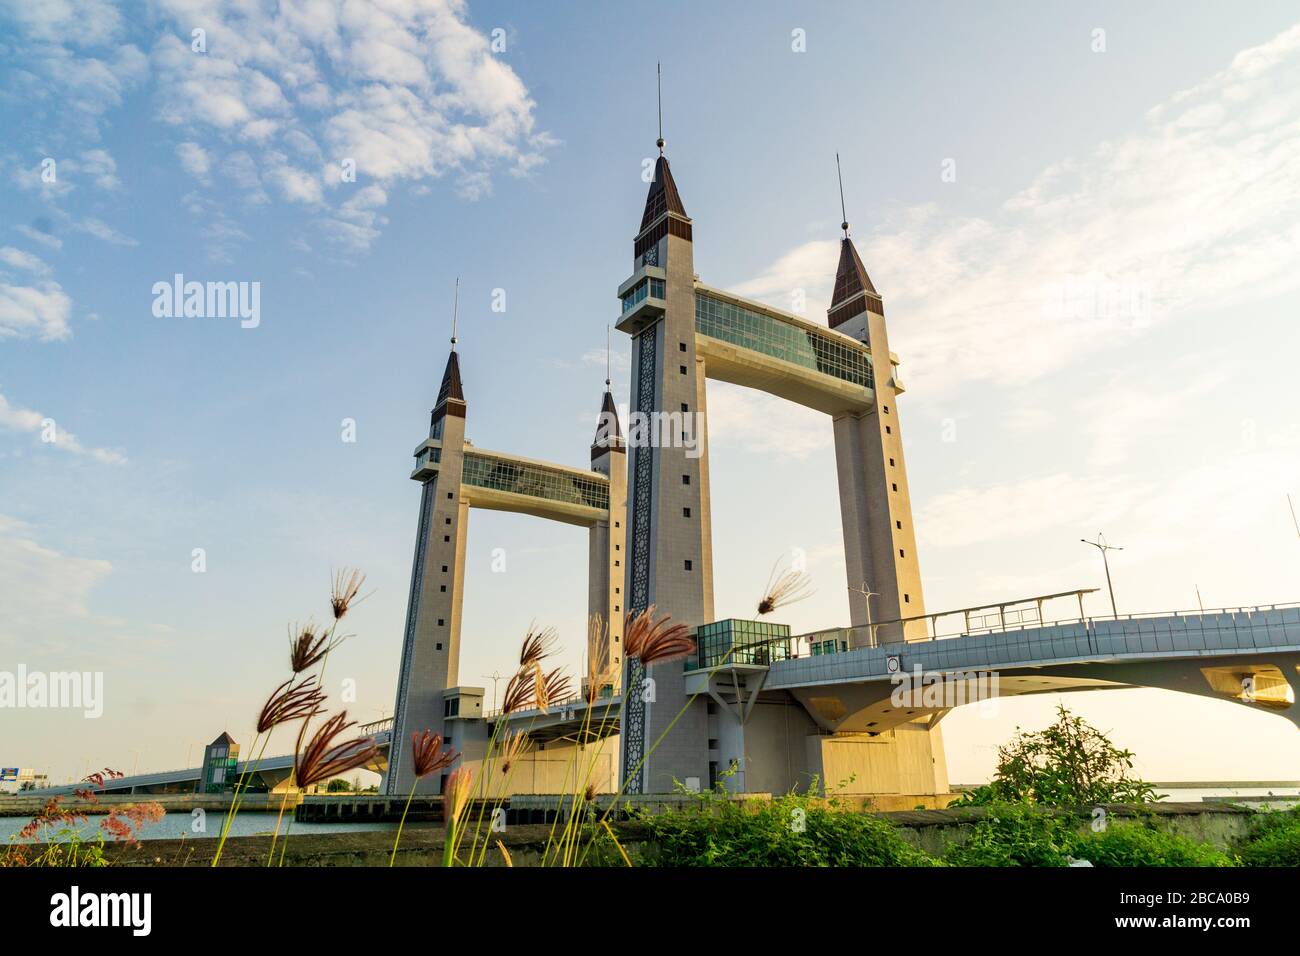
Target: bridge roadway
[1250, 656]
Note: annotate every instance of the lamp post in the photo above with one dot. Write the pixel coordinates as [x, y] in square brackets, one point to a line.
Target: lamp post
[1101, 545]
[867, 594]
[493, 677]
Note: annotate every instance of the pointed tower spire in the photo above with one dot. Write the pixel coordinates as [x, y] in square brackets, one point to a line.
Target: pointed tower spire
[451, 396]
[854, 294]
[663, 196]
[608, 434]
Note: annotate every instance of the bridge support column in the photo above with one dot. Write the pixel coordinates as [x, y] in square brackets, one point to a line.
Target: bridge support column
[431, 650]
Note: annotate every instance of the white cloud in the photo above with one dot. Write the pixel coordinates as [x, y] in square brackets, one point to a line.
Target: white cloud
[102, 230]
[44, 238]
[758, 422]
[28, 421]
[41, 310]
[19, 259]
[407, 90]
[43, 587]
[1199, 209]
[195, 160]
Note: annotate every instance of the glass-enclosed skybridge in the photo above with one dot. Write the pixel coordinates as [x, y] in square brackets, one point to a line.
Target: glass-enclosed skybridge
[498, 481]
[755, 345]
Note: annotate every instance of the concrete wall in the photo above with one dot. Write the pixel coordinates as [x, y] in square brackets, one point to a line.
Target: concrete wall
[904, 760]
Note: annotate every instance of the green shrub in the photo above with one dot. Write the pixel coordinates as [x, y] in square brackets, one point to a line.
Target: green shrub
[794, 830]
[1013, 834]
[1142, 845]
[1274, 839]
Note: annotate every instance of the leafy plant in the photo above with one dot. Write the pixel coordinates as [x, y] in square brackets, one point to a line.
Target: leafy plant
[1069, 764]
[1144, 845]
[798, 829]
[1274, 839]
[1014, 834]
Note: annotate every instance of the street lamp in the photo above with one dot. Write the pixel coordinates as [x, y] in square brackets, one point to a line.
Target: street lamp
[493, 677]
[1101, 545]
[868, 594]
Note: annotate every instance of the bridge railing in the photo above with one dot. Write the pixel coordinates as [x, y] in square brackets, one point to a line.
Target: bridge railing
[838, 640]
[572, 702]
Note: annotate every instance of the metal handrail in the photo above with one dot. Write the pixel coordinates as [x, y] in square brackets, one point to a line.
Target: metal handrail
[820, 637]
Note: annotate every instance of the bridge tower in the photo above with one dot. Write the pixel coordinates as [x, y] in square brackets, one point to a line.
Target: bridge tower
[875, 505]
[607, 540]
[431, 650]
[671, 560]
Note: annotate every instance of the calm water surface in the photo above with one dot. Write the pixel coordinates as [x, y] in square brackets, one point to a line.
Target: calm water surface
[177, 825]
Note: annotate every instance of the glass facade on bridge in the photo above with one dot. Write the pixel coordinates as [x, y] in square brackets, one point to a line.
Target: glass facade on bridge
[739, 642]
[522, 478]
[821, 352]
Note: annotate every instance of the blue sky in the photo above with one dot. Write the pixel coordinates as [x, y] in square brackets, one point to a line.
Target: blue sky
[1161, 172]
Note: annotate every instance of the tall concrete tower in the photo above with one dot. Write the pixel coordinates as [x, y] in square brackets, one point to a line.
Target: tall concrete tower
[607, 540]
[431, 651]
[875, 506]
[671, 564]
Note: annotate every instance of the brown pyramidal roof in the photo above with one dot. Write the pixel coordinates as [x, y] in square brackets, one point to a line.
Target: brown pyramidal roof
[851, 282]
[607, 430]
[451, 381]
[851, 275]
[663, 196]
[225, 738]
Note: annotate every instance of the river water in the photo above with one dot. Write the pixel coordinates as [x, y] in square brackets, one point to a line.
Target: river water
[175, 826]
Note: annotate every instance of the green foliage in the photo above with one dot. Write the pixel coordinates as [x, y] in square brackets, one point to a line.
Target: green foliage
[338, 785]
[1274, 839]
[1069, 764]
[794, 830]
[1143, 845]
[1013, 834]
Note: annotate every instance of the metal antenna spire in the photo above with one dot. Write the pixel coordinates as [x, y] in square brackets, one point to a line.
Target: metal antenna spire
[455, 310]
[607, 375]
[659, 81]
[844, 216]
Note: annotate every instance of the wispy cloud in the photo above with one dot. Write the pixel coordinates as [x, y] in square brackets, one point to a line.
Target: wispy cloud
[39, 311]
[29, 421]
[1198, 209]
[331, 106]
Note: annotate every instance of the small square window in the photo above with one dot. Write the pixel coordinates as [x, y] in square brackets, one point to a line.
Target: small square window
[616, 591]
[446, 538]
[439, 645]
[684, 407]
[448, 520]
[440, 624]
[898, 525]
[889, 430]
[886, 409]
[444, 589]
[615, 524]
[686, 479]
[891, 463]
[681, 346]
[683, 368]
[618, 547]
[615, 562]
[686, 512]
[616, 608]
[444, 569]
[907, 599]
[894, 485]
[688, 564]
[901, 554]
[449, 496]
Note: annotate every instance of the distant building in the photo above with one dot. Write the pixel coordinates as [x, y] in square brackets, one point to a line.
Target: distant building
[220, 758]
[17, 779]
